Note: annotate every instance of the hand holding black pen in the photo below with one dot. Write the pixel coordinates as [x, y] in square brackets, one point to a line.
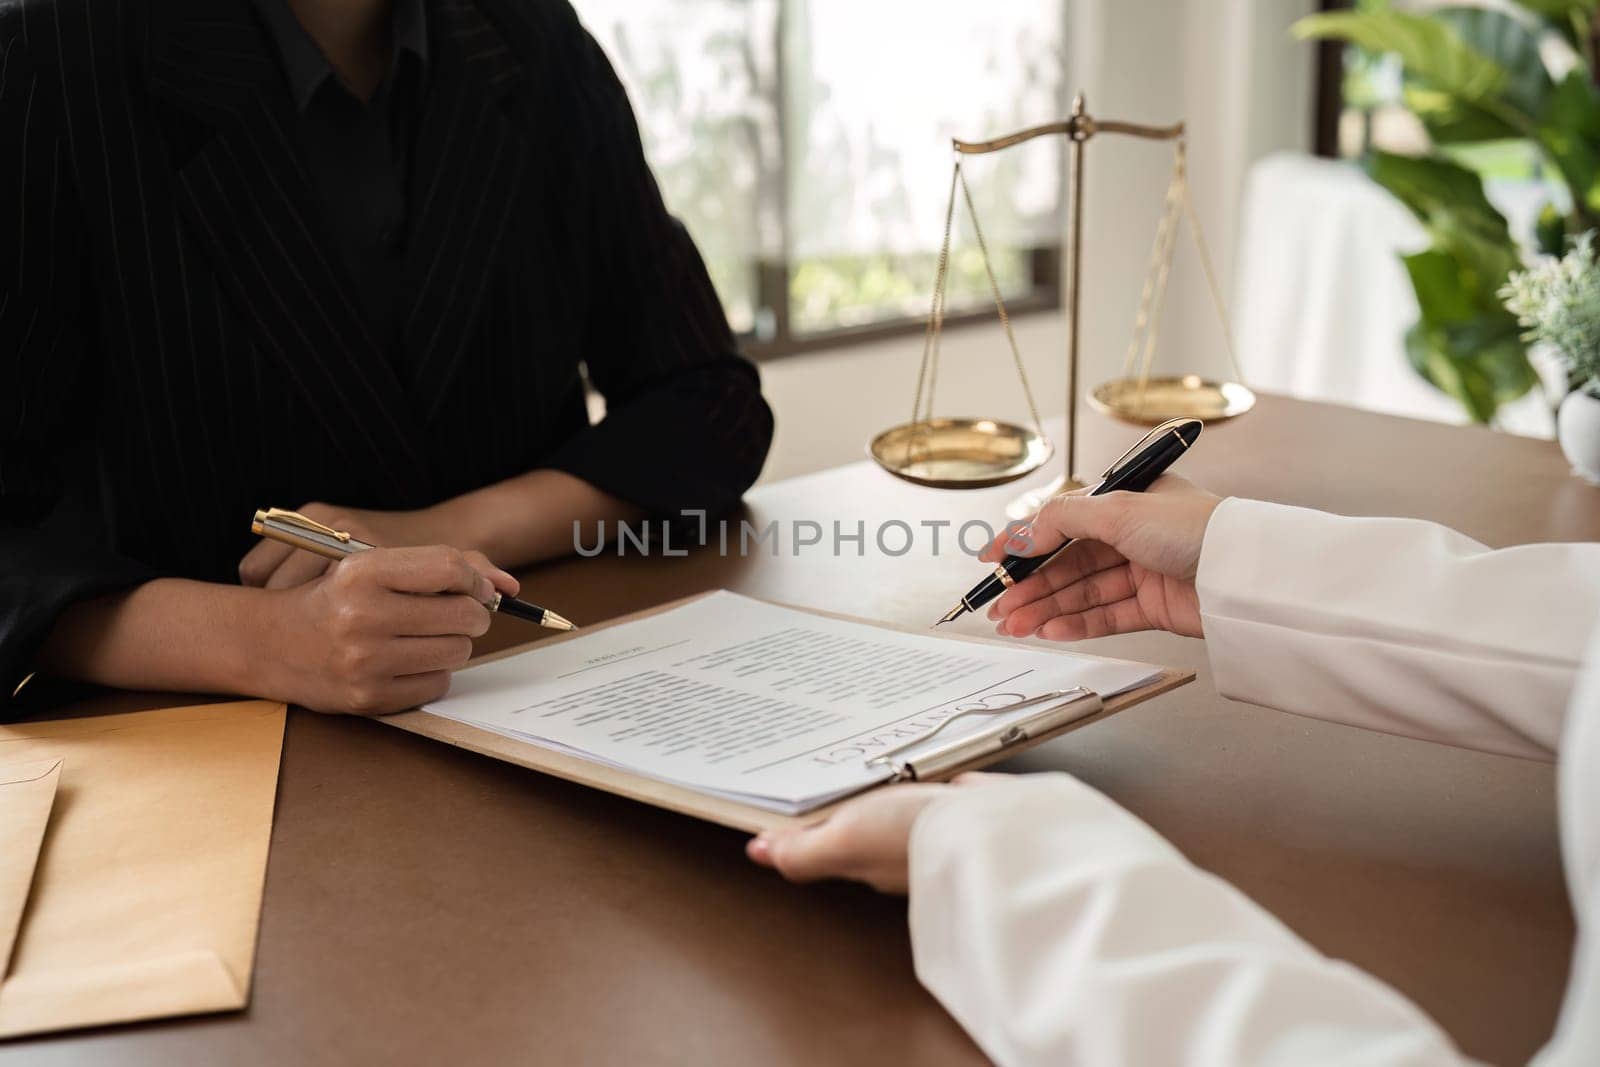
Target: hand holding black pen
[1135, 472]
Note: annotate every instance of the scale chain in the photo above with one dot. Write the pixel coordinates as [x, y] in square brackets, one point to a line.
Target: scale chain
[928, 373]
[1155, 278]
[1210, 272]
[1170, 234]
[1000, 306]
[1146, 326]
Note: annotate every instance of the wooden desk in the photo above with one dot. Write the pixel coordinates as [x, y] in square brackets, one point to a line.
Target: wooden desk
[424, 905]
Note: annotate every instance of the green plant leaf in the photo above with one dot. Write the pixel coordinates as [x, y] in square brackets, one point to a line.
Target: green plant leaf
[1428, 350]
[1559, 10]
[1430, 51]
[1550, 232]
[1569, 132]
[1481, 364]
[1429, 186]
[1442, 296]
[1569, 18]
[1449, 120]
[1448, 200]
[1494, 348]
[1512, 45]
[1466, 343]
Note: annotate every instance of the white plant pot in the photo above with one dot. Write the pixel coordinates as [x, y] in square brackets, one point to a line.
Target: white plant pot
[1578, 427]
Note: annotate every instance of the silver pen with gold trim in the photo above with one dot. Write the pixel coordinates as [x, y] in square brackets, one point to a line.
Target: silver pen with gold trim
[294, 529]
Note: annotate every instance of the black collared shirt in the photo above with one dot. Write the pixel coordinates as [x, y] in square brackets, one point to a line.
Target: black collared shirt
[359, 152]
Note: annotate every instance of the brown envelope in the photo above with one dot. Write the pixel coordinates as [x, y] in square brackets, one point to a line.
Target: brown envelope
[147, 891]
[26, 792]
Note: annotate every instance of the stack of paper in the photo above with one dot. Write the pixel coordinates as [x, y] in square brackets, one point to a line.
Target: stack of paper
[774, 707]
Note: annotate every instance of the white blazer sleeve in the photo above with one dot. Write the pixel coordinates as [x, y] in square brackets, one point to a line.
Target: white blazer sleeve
[1059, 929]
[1397, 625]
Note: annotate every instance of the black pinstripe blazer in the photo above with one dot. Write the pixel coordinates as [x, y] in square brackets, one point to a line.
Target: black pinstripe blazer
[180, 345]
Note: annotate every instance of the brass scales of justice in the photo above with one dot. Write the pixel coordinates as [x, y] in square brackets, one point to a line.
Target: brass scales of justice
[973, 453]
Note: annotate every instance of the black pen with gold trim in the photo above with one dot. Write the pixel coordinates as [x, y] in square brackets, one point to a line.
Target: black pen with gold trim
[1134, 472]
[294, 529]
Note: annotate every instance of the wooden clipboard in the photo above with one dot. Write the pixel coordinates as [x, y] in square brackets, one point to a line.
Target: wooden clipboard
[687, 801]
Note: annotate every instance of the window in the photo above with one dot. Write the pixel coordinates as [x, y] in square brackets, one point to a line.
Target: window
[805, 144]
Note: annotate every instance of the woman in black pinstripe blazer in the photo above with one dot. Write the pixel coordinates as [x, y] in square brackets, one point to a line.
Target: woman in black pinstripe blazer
[180, 344]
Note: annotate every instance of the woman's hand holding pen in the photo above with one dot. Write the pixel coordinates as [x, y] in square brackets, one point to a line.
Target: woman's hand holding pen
[1132, 568]
[380, 631]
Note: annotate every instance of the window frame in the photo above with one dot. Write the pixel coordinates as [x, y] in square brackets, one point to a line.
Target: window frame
[1328, 102]
[772, 295]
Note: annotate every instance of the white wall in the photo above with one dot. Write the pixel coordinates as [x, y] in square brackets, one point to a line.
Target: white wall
[1244, 88]
[1229, 68]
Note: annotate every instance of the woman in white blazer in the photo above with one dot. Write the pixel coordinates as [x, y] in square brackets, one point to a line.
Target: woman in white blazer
[1058, 928]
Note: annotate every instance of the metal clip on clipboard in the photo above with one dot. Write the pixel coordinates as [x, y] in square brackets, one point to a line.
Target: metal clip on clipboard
[1076, 703]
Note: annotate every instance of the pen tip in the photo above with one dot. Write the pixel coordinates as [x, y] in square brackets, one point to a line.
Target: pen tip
[953, 614]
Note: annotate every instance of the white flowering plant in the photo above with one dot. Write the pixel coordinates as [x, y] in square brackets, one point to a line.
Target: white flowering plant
[1558, 301]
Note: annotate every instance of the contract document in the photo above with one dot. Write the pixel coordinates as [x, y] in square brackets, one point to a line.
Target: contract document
[770, 706]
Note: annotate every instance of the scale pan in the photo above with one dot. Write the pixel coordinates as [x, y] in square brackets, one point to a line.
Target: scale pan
[959, 453]
[1161, 399]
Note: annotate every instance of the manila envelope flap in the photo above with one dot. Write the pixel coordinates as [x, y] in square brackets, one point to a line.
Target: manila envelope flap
[147, 891]
[26, 792]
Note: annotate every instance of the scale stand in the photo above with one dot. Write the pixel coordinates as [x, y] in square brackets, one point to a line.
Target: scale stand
[1078, 128]
[968, 453]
